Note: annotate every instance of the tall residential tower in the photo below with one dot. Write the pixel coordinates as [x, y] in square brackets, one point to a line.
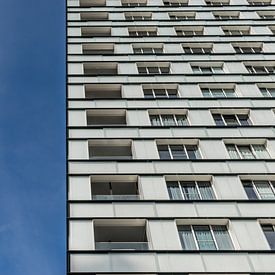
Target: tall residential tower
[170, 137]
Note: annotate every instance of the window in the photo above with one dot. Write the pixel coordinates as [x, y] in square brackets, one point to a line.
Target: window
[178, 151]
[143, 49]
[259, 189]
[143, 32]
[236, 31]
[259, 2]
[197, 50]
[131, 3]
[247, 49]
[218, 92]
[138, 16]
[188, 31]
[251, 151]
[269, 232]
[266, 14]
[268, 92]
[160, 93]
[205, 237]
[190, 190]
[260, 69]
[216, 3]
[153, 69]
[181, 15]
[207, 69]
[231, 120]
[175, 3]
[168, 120]
[226, 15]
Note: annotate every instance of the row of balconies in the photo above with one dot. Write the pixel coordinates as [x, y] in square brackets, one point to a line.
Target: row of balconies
[164, 68]
[188, 188]
[180, 31]
[162, 48]
[179, 15]
[168, 3]
[171, 117]
[171, 91]
[171, 149]
[185, 234]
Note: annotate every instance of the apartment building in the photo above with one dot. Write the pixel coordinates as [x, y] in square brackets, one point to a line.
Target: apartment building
[170, 137]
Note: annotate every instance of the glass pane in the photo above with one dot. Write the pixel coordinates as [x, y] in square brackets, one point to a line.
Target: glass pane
[264, 189]
[218, 120]
[153, 70]
[230, 120]
[270, 235]
[142, 70]
[260, 151]
[246, 152]
[181, 120]
[193, 152]
[164, 70]
[178, 152]
[186, 238]
[204, 237]
[272, 91]
[232, 151]
[160, 93]
[174, 190]
[222, 237]
[190, 191]
[163, 152]
[244, 121]
[229, 92]
[206, 190]
[168, 120]
[148, 93]
[155, 121]
[217, 92]
[217, 70]
[249, 190]
[206, 92]
[172, 93]
[206, 70]
[264, 92]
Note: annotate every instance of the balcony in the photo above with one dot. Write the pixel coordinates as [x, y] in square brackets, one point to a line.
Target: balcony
[110, 150]
[102, 91]
[115, 189]
[100, 69]
[106, 117]
[120, 235]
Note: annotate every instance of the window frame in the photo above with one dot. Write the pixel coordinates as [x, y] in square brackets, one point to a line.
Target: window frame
[146, 67]
[184, 150]
[255, 189]
[251, 147]
[267, 91]
[210, 91]
[196, 182]
[236, 117]
[251, 69]
[198, 69]
[210, 226]
[166, 90]
[174, 119]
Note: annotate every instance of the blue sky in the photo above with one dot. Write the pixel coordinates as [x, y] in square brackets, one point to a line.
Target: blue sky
[32, 137]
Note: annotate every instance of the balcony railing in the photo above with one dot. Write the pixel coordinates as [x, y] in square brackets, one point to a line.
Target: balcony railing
[116, 197]
[121, 246]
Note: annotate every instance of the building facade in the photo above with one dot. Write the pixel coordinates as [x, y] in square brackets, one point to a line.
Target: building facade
[170, 137]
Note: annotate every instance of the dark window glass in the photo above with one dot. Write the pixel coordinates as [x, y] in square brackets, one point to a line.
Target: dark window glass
[249, 190]
[163, 152]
